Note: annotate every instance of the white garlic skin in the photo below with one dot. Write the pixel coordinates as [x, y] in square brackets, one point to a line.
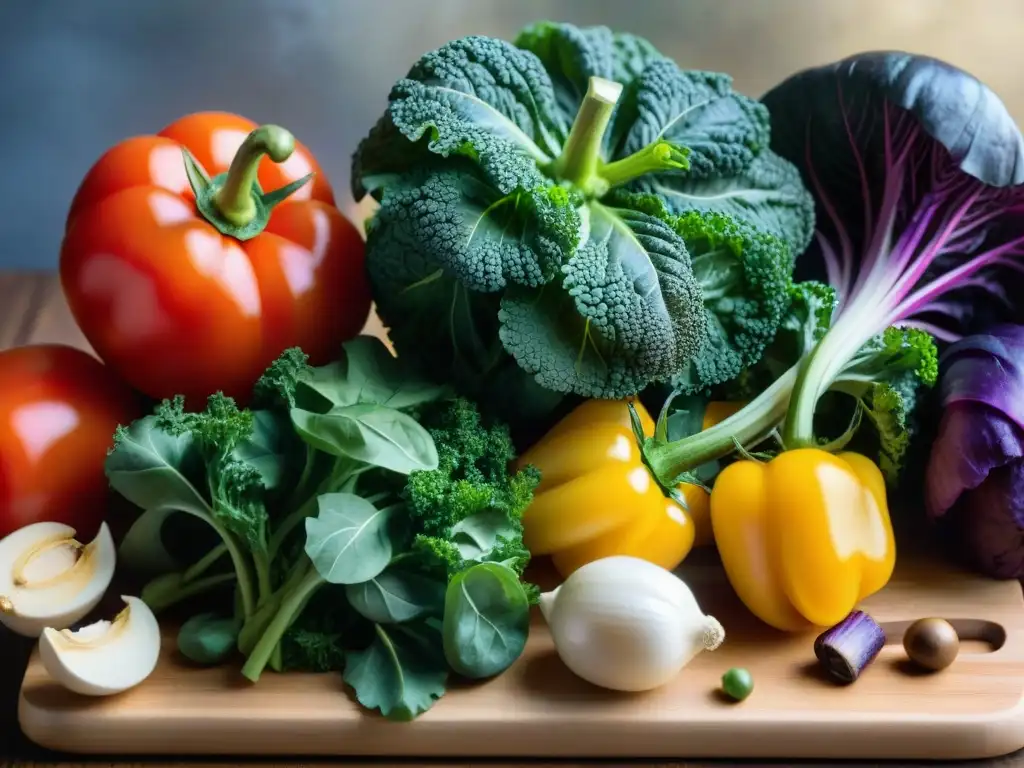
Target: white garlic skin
[106, 657]
[626, 624]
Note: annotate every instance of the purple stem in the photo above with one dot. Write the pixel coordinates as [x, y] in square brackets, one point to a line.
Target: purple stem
[939, 333]
[935, 246]
[941, 284]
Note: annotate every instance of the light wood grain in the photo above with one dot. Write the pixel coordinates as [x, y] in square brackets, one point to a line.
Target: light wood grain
[538, 709]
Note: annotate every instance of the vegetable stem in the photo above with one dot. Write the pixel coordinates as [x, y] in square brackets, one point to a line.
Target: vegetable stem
[669, 460]
[659, 156]
[257, 624]
[264, 589]
[817, 372]
[241, 565]
[289, 524]
[161, 595]
[235, 199]
[291, 606]
[581, 156]
[334, 480]
[203, 564]
[233, 202]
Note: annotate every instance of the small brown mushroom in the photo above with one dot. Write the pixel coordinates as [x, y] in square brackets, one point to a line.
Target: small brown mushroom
[931, 643]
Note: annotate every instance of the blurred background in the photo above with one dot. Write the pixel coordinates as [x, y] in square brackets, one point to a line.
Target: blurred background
[76, 77]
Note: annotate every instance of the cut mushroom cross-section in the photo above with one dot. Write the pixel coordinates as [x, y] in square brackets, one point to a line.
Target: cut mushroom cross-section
[106, 657]
[49, 579]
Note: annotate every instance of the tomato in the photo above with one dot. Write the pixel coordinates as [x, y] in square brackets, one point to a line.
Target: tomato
[182, 299]
[59, 408]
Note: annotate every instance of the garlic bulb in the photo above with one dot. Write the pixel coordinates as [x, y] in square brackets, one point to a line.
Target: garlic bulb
[626, 624]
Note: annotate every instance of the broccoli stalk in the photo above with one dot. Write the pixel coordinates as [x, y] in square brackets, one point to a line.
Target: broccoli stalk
[581, 163]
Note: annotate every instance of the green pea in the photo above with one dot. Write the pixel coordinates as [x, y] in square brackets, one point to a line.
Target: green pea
[737, 683]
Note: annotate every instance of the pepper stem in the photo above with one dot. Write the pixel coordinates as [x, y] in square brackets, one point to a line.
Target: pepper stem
[233, 202]
[581, 156]
[235, 198]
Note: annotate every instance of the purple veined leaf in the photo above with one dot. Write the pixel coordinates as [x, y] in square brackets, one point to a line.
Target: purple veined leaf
[915, 166]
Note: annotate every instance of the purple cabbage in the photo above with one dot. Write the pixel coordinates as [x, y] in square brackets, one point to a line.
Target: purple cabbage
[975, 472]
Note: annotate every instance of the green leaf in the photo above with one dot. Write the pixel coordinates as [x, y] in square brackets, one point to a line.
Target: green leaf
[267, 448]
[440, 299]
[142, 550]
[723, 130]
[476, 98]
[629, 311]
[745, 277]
[373, 434]
[803, 324]
[349, 541]
[768, 193]
[477, 535]
[370, 374]
[486, 620]
[396, 595]
[208, 638]
[153, 469]
[572, 55]
[402, 673]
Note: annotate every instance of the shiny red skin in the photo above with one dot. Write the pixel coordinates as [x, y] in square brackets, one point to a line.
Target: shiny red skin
[176, 307]
[59, 408]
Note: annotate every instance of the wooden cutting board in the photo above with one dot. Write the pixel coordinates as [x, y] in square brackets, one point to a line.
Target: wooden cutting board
[539, 709]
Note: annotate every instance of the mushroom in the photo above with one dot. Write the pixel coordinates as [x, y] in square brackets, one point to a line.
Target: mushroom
[49, 579]
[106, 657]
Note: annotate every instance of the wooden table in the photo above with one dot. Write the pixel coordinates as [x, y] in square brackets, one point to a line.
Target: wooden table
[32, 310]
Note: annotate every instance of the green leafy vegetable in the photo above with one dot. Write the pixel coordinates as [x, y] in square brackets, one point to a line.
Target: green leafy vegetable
[350, 540]
[368, 433]
[550, 199]
[340, 509]
[397, 595]
[402, 673]
[208, 638]
[486, 620]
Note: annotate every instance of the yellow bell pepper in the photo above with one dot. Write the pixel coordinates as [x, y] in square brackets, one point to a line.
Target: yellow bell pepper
[804, 537]
[596, 497]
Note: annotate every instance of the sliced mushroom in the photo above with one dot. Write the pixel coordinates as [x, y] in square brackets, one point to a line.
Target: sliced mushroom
[49, 579]
[106, 657]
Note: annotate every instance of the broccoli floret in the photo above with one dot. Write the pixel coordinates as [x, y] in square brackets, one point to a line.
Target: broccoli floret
[277, 384]
[472, 480]
[236, 487]
[886, 376]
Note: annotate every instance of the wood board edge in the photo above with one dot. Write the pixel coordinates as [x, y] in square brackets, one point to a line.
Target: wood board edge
[912, 737]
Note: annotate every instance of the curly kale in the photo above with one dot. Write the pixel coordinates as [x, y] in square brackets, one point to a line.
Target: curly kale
[469, 509]
[569, 201]
[277, 386]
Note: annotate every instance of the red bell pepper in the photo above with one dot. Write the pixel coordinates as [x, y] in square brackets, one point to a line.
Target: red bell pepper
[186, 277]
[59, 407]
